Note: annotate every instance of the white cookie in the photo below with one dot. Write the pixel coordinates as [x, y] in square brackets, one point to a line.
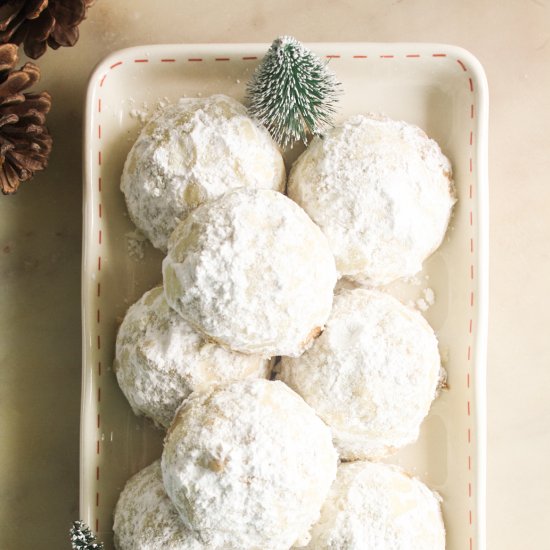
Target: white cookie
[378, 507]
[145, 518]
[382, 193]
[371, 375]
[251, 271]
[191, 152]
[249, 466]
[160, 359]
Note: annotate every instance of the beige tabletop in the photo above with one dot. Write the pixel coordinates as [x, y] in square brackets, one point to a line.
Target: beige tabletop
[40, 243]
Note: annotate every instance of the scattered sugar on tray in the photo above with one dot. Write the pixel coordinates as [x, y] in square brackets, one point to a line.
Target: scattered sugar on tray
[426, 301]
[140, 115]
[422, 305]
[144, 113]
[429, 296]
[413, 280]
[136, 242]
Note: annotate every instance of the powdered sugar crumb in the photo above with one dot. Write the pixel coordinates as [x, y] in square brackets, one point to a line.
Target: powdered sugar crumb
[429, 296]
[140, 115]
[426, 301]
[413, 280]
[146, 111]
[136, 242]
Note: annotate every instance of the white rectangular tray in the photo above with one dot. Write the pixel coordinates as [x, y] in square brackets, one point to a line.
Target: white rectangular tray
[440, 88]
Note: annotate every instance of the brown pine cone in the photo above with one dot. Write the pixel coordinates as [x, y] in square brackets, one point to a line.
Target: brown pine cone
[25, 142]
[38, 24]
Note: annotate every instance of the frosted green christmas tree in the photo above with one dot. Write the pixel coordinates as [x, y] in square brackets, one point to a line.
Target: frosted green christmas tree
[292, 93]
[82, 537]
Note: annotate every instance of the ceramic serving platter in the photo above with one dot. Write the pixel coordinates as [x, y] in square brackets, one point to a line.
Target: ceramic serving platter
[440, 88]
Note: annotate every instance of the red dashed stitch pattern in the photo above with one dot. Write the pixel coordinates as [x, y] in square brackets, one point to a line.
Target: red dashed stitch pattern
[470, 84]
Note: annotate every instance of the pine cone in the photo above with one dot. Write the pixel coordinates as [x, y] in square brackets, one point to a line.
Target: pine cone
[25, 142]
[41, 23]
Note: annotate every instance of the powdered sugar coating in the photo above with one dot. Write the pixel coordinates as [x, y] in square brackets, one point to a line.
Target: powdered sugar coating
[160, 359]
[191, 152]
[252, 271]
[371, 376]
[145, 518]
[248, 466]
[379, 507]
[381, 191]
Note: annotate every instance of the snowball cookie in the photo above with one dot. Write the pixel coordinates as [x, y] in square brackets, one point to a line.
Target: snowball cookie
[145, 518]
[381, 191]
[248, 466]
[253, 272]
[379, 507]
[372, 374]
[194, 151]
[160, 359]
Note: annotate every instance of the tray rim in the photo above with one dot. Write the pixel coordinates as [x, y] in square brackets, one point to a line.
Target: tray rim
[479, 356]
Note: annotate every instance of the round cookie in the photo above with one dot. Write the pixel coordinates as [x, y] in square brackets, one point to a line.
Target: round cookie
[248, 465]
[145, 518]
[382, 193]
[251, 271]
[371, 376]
[160, 359]
[379, 507]
[191, 152]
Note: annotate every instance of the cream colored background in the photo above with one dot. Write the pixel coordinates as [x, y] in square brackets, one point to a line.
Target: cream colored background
[40, 239]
